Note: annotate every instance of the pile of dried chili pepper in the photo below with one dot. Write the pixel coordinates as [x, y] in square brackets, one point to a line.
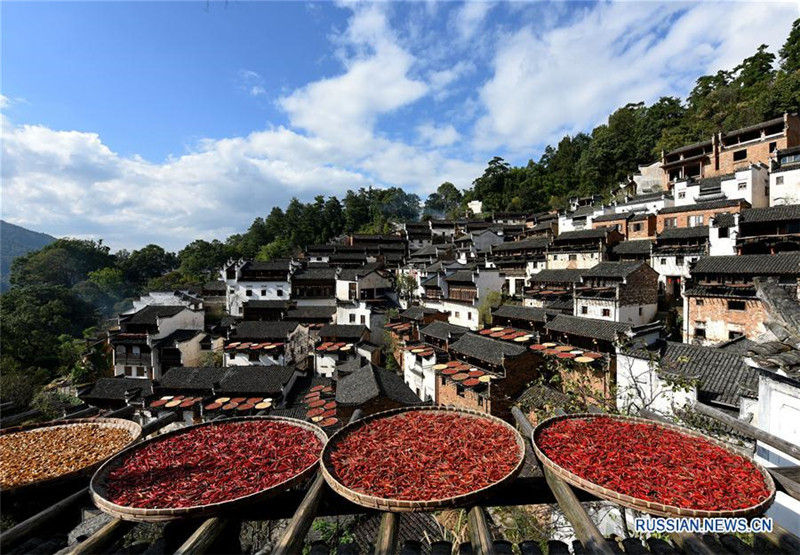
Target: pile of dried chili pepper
[212, 464]
[651, 462]
[425, 455]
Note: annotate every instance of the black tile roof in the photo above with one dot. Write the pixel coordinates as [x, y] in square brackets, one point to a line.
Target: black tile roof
[417, 312]
[255, 379]
[721, 375]
[697, 232]
[485, 349]
[427, 250]
[302, 313]
[321, 273]
[541, 396]
[781, 213]
[443, 330]
[612, 217]
[113, 389]
[369, 382]
[267, 303]
[352, 274]
[524, 244]
[636, 246]
[641, 216]
[343, 331]
[567, 236]
[582, 211]
[516, 312]
[787, 264]
[460, 276]
[644, 198]
[724, 219]
[272, 265]
[557, 276]
[587, 327]
[177, 336]
[614, 270]
[150, 314]
[711, 205]
[192, 378]
[263, 330]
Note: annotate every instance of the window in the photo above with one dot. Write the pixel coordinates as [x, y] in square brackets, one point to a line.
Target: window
[699, 302]
[723, 232]
[232, 355]
[773, 146]
[363, 319]
[679, 260]
[735, 305]
[696, 221]
[663, 261]
[734, 334]
[641, 310]
[352, 318]
[263, 292]
[279, 292]
[458, 314]
[742, 186]
[469, 315]
[252, 356]
[606, 312]
[682, 194]
[700, 332]
[584, 310]
[573, 257]
[637, 227]
[670, 222]
[249, 292]
[779, 180]
[128, 371]
[740, 155]
[136, 350]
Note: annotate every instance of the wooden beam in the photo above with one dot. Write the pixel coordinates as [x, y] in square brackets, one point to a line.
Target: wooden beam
[295, 534]
[37, 521]
[203, 538]
[749, 430]
[387, 534]
[104, 538]
[159, 423]
[782, 539]
[789, 478]
[479, 533]
[124, 412]
[83, 413]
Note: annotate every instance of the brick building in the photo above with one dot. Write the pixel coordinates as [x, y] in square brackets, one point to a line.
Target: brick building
[632, 249]
[674, 250]
[582, 249]
[618, 221]
[641, 226]
[768, 230]
[693, 215]
[720, 301]
[618, 292]
[552, 289]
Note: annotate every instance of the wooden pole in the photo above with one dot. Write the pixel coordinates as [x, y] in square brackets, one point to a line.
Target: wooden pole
[124, 412]
[749, 430]
[294, 536]
[159, 423]
[104, 538]
[479, 533]
[202, 538]
[83, 413]
[37, 521]
[782, 539]
[387, 534]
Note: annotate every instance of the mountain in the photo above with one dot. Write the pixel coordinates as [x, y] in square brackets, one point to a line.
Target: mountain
[16, 241]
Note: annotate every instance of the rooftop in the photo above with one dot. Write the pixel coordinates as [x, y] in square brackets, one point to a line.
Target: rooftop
[750, 265]
[637, 246]
[149, 315]
[486, 349]
[249, 329]
[369, 382]
[711, 205]
[587, 327]
[517, 312]
[557, 276]
[343, 331]
[443, 330]
[613, 270]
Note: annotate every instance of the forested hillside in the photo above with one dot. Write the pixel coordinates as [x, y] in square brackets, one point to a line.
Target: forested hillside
[60, 292]
[16, 241]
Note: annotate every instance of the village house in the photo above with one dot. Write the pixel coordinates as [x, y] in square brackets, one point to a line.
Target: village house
[518, 259]
[443, 231]
[720, 301]
[167, 298]
[725, 153]
[577, 218]
[509, 369]
[339, 343]
[618, 292]
[647, 203]
[672, 253]
[250, 280]
[418, 235]
[750, 184]
[362, 297]
[155, 338]
[632, 250]
[641, 226]
[614, 220]
[265, 343]
[784, 177]
[768, 230]
[418, 360]
[552, 289]
[581, 249]
[469, 245]
[266, 309]
[314, 285]
[526, 318]
[372, 389]
[464, 290]
[312, 317]
[694, 215]
[117, 392]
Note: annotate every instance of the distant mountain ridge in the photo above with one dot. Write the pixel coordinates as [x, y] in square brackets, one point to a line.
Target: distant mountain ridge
[16, 241]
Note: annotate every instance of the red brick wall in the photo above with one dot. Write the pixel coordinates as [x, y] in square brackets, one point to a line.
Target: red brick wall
[683, 217]
[714, 312]
[648, 228]
[756, 152]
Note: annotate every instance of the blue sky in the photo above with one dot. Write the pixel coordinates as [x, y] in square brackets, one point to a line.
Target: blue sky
[164, 122]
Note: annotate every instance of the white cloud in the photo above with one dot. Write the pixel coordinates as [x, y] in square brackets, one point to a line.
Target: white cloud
[438, 135]
[251, 82]
[548, 82]
[470, 17]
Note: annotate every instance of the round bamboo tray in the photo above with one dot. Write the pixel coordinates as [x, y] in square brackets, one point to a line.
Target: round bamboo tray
[650, 507]
[403, 505]
[99, 482]
[128, 425]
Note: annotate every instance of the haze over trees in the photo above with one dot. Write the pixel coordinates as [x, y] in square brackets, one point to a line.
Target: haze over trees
[60, 293]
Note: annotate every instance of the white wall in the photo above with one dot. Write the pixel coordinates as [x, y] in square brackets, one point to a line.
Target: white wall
[266, 358]
[787, 192]
[755, 181]
[722, 246]
[236, 293]
[461, 314]
[583, 260]
[184, 320]
[670, 266]
[639, 386]
[420, 376]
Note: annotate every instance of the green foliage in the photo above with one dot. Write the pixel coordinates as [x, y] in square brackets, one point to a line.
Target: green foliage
[790, 52]
[202, 259]
[489, 303]
[444, 201]
[278, 248]
[405, 285]
[210, 358]
[149, 262]
[335, 532]
[63, 262]
[54, 404]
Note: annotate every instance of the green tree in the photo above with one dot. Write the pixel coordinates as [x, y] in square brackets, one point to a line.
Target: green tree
[63, 262]
[203, 259]
[147, 263]
[790, 52]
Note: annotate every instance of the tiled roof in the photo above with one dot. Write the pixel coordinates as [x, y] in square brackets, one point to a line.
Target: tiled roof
[113, 389]
[781, 213]
[369, 382]
[302, 313]
[539, 396]
[149, 314]
[711, 205]
[315, 274]
[721, 375]
[427, 250]
[581, 211]
[187, 378]
[255, 379]
[516, 312]
[249, 329]
[724, 219]
[611, 217]
[485, 349]
[697, 232]
[177, 336]
[343, 331]
[267, 303]
[587, 327]
[618, 270]
[599, 233]
[644, 198]
[641, 216]
[637, 246]
[460, 276]
[443, 330]
[750, 264]
[417, 312]
[352, 274]
[257, 265]
[531, 243]
[557, 276]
